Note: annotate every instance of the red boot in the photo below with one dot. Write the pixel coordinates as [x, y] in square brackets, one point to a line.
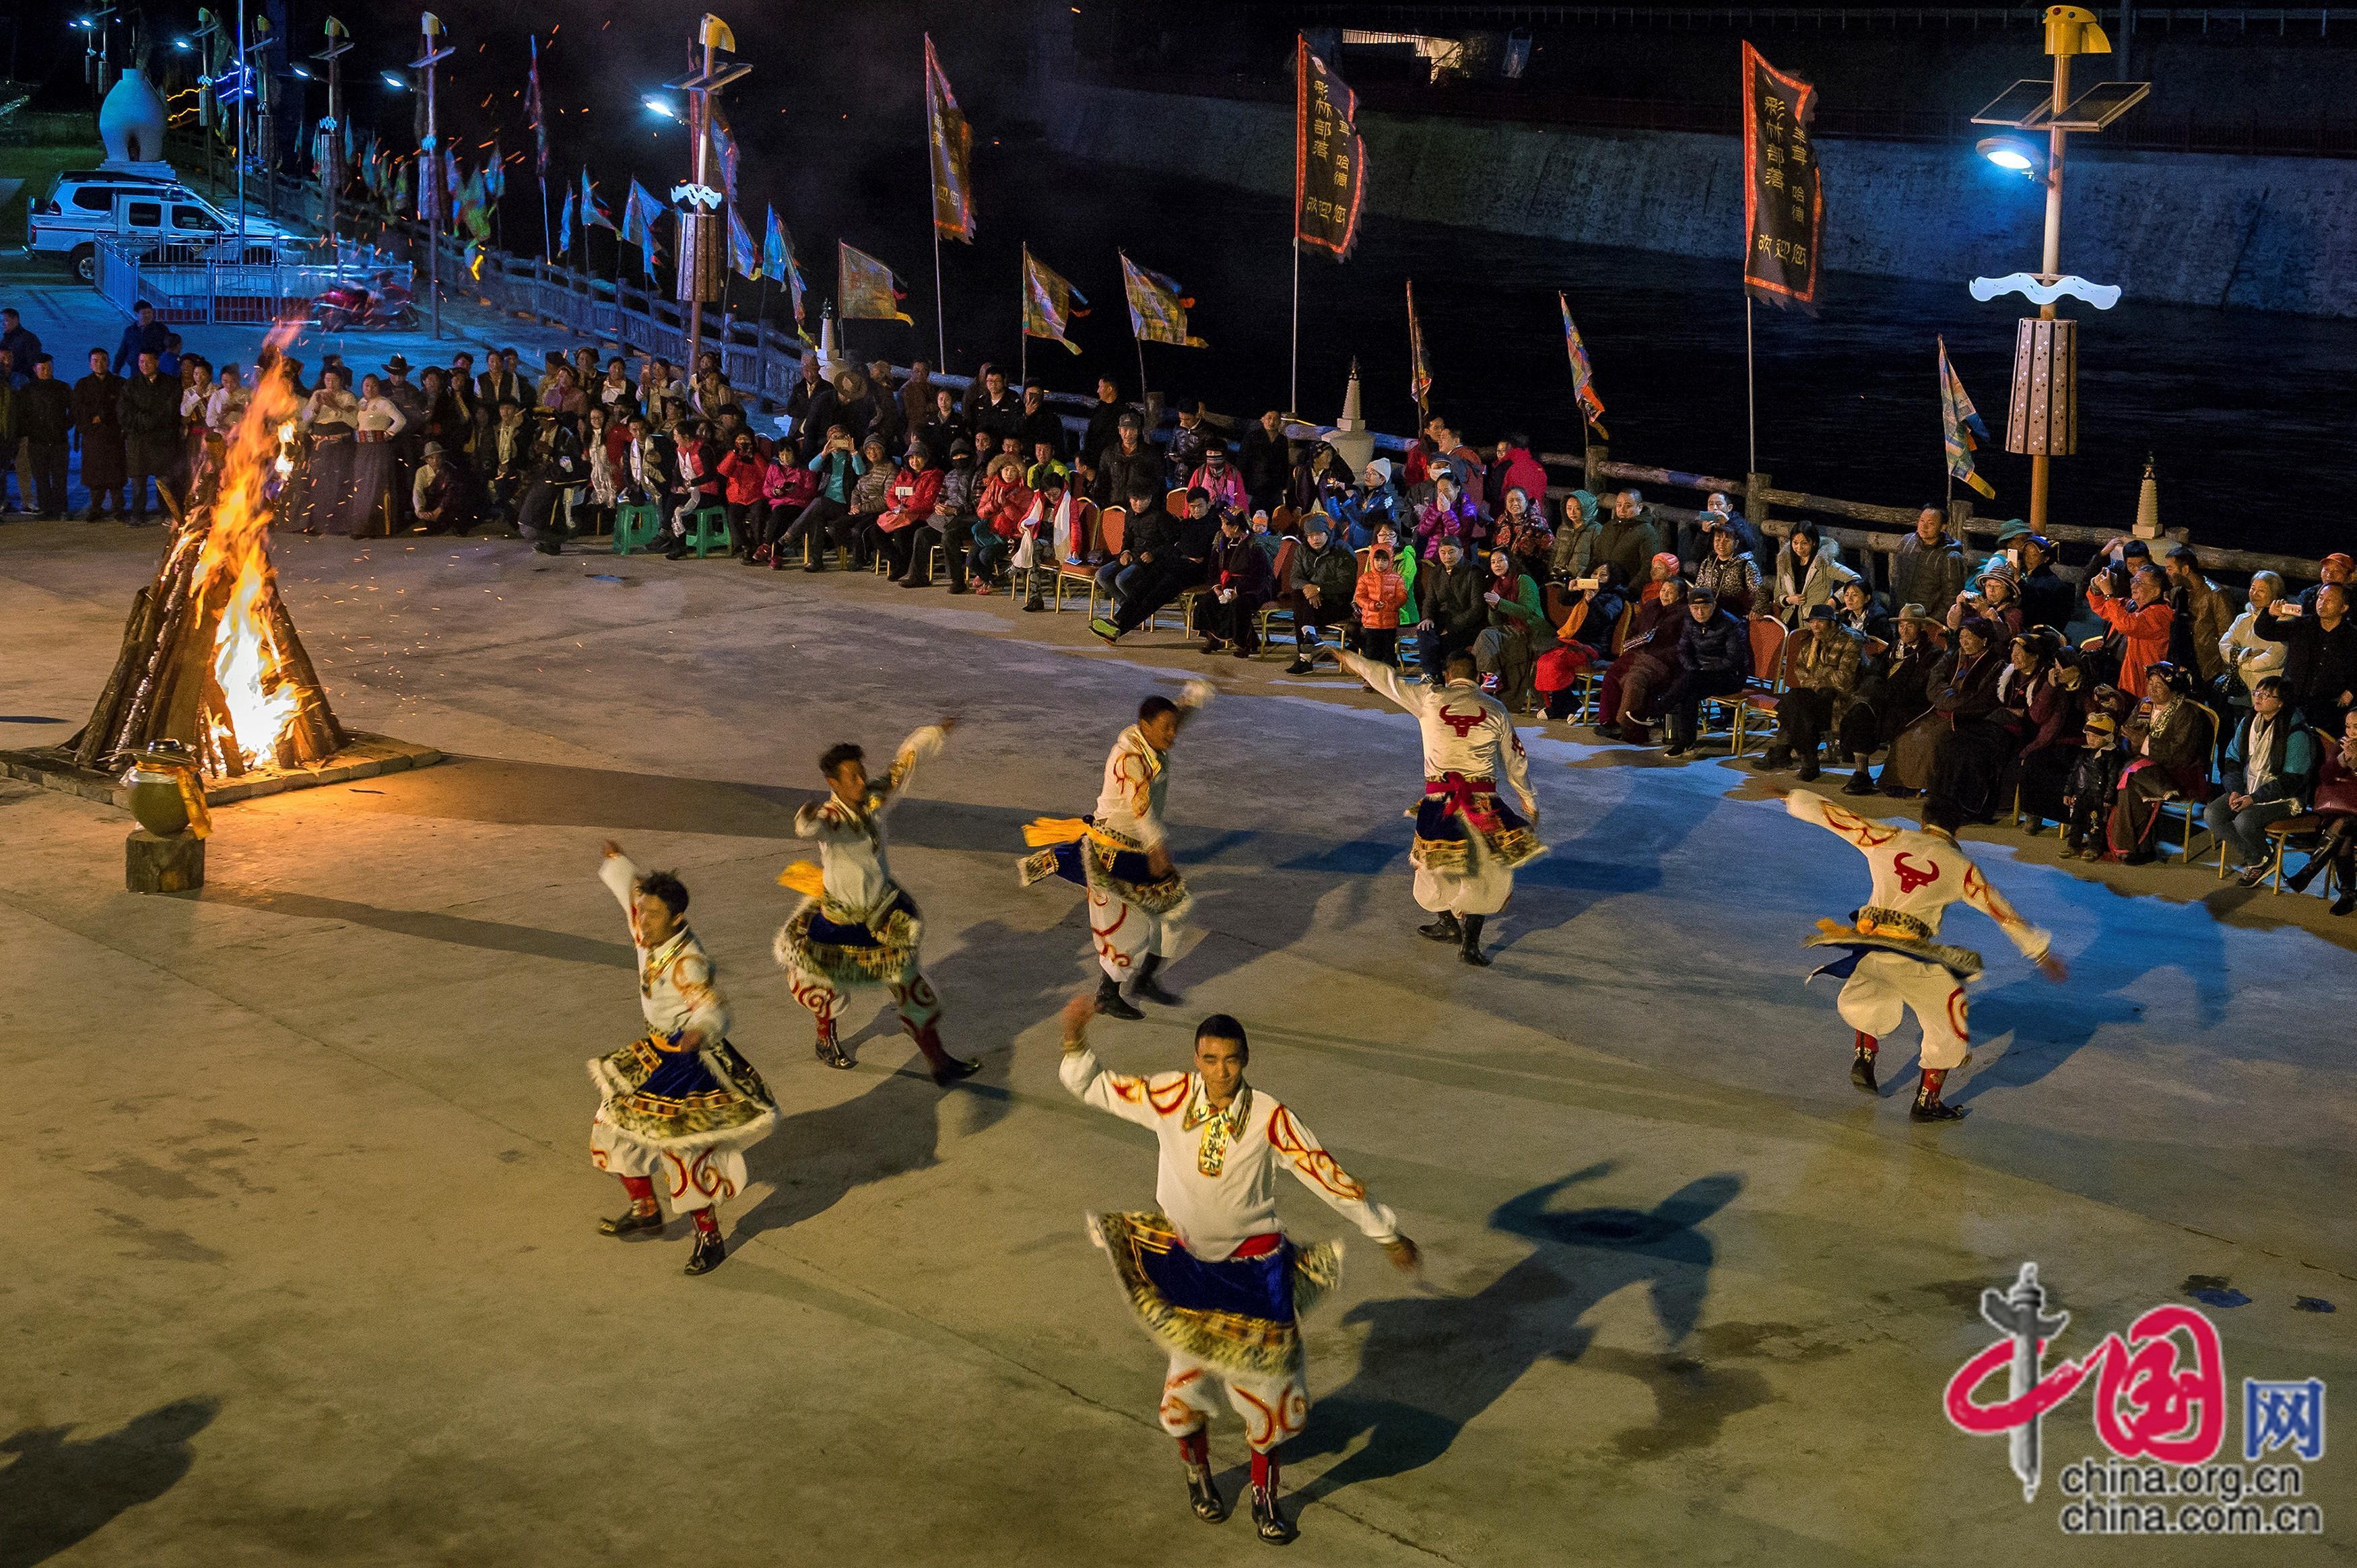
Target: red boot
[1861, 1065]
[947, 1068]
[830, 1049]
[1929, 1106]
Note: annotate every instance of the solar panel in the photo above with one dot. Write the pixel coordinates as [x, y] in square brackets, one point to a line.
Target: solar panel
[2102, 103]
[2021, 106]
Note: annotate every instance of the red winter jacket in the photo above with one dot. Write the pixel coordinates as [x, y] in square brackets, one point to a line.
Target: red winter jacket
[910, 499]
[741, 478]
[1004, 504]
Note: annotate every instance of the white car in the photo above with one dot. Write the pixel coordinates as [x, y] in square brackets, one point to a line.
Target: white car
[150, 212]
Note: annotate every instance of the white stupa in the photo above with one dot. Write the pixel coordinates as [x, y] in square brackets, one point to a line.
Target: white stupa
[1351, 439]
[131, 124]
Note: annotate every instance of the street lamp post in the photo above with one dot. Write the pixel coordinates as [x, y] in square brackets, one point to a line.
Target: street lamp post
[429, 172]
[208, 102]
[703, 244]
[338, 41]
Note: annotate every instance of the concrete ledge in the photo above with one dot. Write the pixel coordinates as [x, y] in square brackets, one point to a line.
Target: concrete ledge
[364, 756]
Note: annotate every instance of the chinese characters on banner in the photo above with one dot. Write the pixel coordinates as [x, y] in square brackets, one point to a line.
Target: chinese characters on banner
[953, 153]
[1329, 160]
[1783, 198]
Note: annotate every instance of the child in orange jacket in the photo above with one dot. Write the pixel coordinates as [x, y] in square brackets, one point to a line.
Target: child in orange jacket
[1378, 598]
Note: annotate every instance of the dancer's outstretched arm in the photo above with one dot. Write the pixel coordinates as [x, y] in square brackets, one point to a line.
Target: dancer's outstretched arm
[1382, 677]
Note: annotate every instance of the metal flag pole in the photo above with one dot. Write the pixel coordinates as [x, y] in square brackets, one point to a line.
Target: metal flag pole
[933, 211]
[1293, 399]
[713, 34]
[1751, 386]
[1022, 327]
[338, 42]
[429, 166]
[540, 142]
[244, 97]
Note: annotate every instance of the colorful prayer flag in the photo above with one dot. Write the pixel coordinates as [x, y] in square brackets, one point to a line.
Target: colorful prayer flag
[741, 255]
[723, 150]
[1048, 301]
[593, 211]
[534, 113]
[639, 217]
[1583, 376]
[1419, 374]
[778, 262]
[1960, 423]
[953, 153]
[1158, 310]
[865, 287]
[1329, 157]
[564, 225]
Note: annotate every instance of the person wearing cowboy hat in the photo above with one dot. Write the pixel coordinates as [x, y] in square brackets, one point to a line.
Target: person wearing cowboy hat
[436, 495]
[2169, 746]
[1893, 694]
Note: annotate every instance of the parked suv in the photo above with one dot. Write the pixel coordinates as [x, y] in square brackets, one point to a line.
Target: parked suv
[149, 211]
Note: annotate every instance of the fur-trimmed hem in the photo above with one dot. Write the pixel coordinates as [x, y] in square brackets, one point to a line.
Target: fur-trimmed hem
[1224, 1341]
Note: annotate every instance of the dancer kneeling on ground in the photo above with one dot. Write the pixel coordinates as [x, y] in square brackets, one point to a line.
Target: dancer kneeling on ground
[1892, 961]
[1122, 855]
[857, 927]
[1467, 841]
[1210, 1273]
[681, 1102]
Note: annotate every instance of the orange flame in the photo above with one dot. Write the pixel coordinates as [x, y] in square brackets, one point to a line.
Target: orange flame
[248, 663]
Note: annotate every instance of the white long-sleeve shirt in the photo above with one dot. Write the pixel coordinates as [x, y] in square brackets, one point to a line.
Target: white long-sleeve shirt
[1466, 731]
[851, 856]
[1136, 778]
[678, 991]
[1216, 1176]
[2250, 657]
[1918, 873]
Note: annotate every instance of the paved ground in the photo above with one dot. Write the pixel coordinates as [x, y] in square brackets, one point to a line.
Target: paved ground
[302, 1262]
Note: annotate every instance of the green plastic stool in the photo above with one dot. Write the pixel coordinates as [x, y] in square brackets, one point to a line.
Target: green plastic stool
[636, 524]
[708, 528]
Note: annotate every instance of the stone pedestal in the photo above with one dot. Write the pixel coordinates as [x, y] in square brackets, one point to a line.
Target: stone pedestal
[153, 864]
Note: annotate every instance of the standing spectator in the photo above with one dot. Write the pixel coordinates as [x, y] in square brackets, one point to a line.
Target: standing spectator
[943, 426]
[151, 434]
[1629, 540]
[916, 399]
[1185, 453]
[810, 406]
[196, 396]
[2247, 655]
[22, 347]
[1221, 482]
[2319, 655]
[329, 417]
[1714, 660]
[993, 410]
[498, 384]
[1929, 567]
[42, 411]
[1104, 426]
[555, 467]
[1512, 466]
[377, 424]
[2269, 768]
[2143, 623]
[1809, 573]
[2335, 568]
[1128, 465]
[143, 334]
[2169, 746]
[1823, 669]
[1449, 594]
[1238, 587]
[2198, 617]
[2046, 599]
[2087, 792]
[1320, 589]
[1379, 597]
[1894, 694]
[1374, 503]
[1267, 460]
[1040, 422]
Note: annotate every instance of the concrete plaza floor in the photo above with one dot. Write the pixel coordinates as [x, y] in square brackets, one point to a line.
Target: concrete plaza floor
[302, 1262]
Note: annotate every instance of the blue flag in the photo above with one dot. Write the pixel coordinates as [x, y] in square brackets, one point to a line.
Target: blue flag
[778, 262]
[639, 216]
[741, 255]
[593, 213]
[564, 225]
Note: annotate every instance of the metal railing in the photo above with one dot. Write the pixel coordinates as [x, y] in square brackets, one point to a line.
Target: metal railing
[202, 285]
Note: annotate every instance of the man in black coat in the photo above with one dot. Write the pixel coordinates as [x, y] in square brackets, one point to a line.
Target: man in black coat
[44, 419]
[1448, 596]
[1128, 465]
[151, 432]
[1714, 659]
[144, 335]
[1040, 422]
[995, 411]
[2046, 599]
[1267, 462]
[2319, 672]
[1104, 422]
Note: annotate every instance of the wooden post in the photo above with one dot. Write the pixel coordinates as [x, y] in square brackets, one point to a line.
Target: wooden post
[1960, 515]
[1598, 453]
[1755, 500]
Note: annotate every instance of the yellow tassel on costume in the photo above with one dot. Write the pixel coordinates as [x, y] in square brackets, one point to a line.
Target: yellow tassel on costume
[803, 878]
[1833, 928]
[1041, 831]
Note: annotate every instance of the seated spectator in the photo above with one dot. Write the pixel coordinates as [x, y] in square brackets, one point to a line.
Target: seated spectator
[786, 489]
[1584, 627]
[1631, 537]
[1449, 595]
[1506, 648]
[2093, 780]
[742, 470]
[2319, 654]
[1573, 554]
[1380, 597]
[1215, 479]
[1858, 607]
[2056, 709]
[1714, 660]
[2335, 568]
[999, 514]
[2143, 623]
[2046, 599]
[1188, 443]
[2246, 656]
[1448, 515]
[950, 525]
[908, 504]
[1821, 670]
[1322, 482]
[1809, 573]
[1034, 561]
[1522, 532]
[1973, 762]
[1180, 565]
[1376, 501]
[1269, 541]
[1994, 600]
[1149, 532]
[2336, 804]
[2270, 768]
[1647, 662]
[1660, 573]
[1239, 586]
[1319, 587]
[1730, 574]
[438, 493]
[1718, 512]
[1962, 690]
[1893, 694]
[2169, 758]
[1044, 461]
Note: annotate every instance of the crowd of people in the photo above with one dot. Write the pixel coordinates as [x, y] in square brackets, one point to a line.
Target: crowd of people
[2100, 701]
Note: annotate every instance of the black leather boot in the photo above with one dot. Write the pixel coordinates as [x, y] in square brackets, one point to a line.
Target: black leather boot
[1110, 1003]
[1442, 928]
[1150, 988]
[1471, 951]
[1861, 1065]
[709, 1250]
[630, 1223]
[1271, 1523]
[830, 1049]
[1204, 1494]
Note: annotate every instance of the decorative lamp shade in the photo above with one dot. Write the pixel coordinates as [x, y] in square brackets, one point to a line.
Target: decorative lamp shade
[2043, 417]
[703, 254]
[131, 121]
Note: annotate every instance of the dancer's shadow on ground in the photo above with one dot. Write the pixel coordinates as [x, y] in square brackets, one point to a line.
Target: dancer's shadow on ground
[60, 1490]
[816, 1158]
[1433, 1363]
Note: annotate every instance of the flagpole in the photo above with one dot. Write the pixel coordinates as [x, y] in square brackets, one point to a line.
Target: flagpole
[761, 333]
[1750, 387]
[933, 204]
[1023, 338]
[1293, 403]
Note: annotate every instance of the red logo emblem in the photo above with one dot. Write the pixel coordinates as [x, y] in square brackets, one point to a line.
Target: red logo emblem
[1463, 723]
[1910, 878]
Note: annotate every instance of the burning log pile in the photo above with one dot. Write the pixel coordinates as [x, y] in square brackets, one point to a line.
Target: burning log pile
[211, 657]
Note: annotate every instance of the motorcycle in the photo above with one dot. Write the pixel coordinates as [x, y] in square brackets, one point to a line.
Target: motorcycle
[341, 307]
